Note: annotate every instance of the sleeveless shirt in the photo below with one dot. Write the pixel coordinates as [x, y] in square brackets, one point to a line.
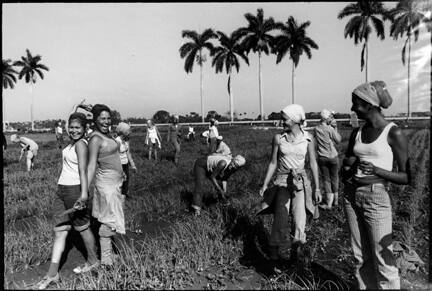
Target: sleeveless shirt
[70, 173]
[292, 154]
[378, 152]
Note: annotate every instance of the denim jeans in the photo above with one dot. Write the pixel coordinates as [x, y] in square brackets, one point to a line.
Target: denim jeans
[369, 214]
[329, 168]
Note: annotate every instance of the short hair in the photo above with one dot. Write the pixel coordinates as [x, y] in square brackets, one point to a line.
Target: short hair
[80, 117]
[97, 110]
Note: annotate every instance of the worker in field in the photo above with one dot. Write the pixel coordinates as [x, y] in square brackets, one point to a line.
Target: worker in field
[153, 139]
[191, 133]
[218, 169]
[367, 171]
[174, 137]
[29, 147]
[59, 134]
[70, 204]
[327, 137]
[105, 167]
[123, 132]
[213, 134]
[291, 191]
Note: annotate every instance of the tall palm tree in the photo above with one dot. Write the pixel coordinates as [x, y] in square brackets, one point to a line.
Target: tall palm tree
[293, 39]
[30, 69]
[367, 14]
[256, 37]
[406, 18]
[8, 74]
[227, 54]
[193, 51]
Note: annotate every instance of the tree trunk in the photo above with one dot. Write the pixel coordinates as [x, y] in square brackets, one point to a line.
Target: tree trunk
[202, 92]
[260, 86]
[409, 63]
[367, 60]
[292, 80]
[231, 99]
[31, 104]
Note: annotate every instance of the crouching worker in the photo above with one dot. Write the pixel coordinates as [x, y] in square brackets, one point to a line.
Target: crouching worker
[27, 145]
[219, 168]
[292, 191]
[70, 205]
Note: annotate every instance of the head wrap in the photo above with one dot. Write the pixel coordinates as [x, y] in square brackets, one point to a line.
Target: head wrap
[295, 112]
[123, 128]
[239, 161]
[219, 137]
[325, 114]
[205, 133]
[97, 110]
[374, 93]
[13, 137]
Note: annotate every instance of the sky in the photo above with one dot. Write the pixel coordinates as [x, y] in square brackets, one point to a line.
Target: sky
[126, 55]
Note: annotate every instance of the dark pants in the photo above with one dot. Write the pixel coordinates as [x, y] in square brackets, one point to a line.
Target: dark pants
[60, 141]
[212, 145]
[125, 185]
[280, 232]
[176, 145]
[329, 168]
[200, 174]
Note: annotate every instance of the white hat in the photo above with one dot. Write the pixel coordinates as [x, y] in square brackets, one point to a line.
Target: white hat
[219, 137]
[239, 161]
[295, 112]
[325, 114]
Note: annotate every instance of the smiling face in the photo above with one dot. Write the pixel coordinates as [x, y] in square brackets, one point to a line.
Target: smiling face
[103, 122]
[76, 129]
[287, 122]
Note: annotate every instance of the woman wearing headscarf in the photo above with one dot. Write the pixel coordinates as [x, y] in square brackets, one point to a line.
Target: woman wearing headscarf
[174, 136]
[104, 162]
[327, 136]
[292, 191]
[123, 131]
[368, 168]
[152, 139]
[218, 169]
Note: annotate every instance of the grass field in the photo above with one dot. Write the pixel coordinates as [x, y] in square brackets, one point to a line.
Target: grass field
[218, 246]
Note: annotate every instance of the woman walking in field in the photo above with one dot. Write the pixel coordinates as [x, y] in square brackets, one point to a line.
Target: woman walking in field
[368, 168]
[123, 132]
[216, 168]
[27, 145]
[327, 136]
[104, 161]
[213, 134]
[154, 137]
[174, 136]
[292, 191]
[72, 194]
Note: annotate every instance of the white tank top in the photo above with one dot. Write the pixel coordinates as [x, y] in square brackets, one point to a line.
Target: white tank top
[70, 174]
[213, 160]
[292, 154]
[377, 152]
[153, 134]
[123, 148]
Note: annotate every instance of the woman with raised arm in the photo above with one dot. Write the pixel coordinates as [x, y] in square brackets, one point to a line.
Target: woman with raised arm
[72, 195]
[104, 162]
[292, 191]
[367, 170]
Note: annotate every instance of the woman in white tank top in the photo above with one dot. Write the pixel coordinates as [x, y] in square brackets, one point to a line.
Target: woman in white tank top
[367, 168]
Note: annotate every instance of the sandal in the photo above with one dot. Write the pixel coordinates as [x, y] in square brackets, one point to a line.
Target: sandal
[86, 267]
[46, 281]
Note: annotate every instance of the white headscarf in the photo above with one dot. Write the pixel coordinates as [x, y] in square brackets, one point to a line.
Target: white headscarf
[325, 114]
[239, 160]
[123, 128]
[295, 112]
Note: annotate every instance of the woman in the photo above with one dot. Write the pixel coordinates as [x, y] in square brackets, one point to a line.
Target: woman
[155, 139]
[292, 189]
[213, 134]
[217, 169]
[122, 139]
[174, 136]
[327, 137]
[104, 161]
[59, 134]
[27, 145]
[72, 194]
[368, 167]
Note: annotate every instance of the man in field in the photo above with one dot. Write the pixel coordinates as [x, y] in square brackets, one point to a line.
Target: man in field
[27, 145]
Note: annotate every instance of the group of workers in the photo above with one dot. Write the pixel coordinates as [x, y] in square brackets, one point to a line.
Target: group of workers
[366, 171]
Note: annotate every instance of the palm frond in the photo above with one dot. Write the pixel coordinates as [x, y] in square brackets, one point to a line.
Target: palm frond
[350, 9]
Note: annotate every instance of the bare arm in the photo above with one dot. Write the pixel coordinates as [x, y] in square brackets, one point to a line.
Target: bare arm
[314, 167]
[337, 138]
[82, 154]
[399, 146]
[93, 147]
[272, 165]
[129, 156]
[220, 166]
[147, 138]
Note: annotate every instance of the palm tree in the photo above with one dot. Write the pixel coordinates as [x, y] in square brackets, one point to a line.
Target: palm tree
[227, 54]
[256, 37]
[193, 50]
[406, 18]
[359, 27]
[30, 69]
[8, 74]
[293, 39]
